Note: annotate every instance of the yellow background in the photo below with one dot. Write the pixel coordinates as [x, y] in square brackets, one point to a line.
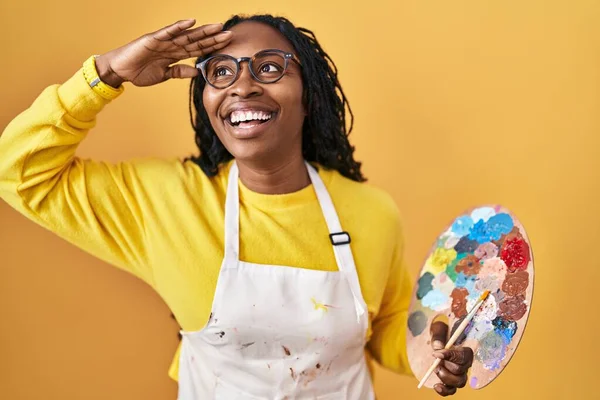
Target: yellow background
[457, 103]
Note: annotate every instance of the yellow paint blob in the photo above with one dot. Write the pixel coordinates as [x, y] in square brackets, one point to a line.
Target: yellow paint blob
[439, 260]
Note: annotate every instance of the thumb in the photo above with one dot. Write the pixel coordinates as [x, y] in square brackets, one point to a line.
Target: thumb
[439, 335]
[181, 71]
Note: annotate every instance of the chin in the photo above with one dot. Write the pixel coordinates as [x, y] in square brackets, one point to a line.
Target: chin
[251, 152]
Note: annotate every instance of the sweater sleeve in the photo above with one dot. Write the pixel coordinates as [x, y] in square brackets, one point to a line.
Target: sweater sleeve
[90, 204]
[388, 341]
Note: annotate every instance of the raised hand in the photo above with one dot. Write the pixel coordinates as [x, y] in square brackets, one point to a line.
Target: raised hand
[149, 59]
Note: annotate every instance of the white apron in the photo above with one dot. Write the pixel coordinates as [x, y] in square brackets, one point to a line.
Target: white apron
[279, 332]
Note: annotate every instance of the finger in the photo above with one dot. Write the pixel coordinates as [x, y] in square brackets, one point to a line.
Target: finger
[443, 390]
[182, 54]
[223, 37]
[457, 355]
[449, 379]
[181, 71]
[439, 335]
[207, 50]
[456, 369]
[171, 31]
[193, 35]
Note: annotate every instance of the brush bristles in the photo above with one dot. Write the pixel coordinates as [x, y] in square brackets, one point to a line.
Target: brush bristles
[484, 295]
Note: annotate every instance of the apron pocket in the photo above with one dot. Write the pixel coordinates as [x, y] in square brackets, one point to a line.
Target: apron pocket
[226, 391]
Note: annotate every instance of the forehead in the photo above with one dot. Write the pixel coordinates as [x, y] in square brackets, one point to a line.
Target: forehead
[250, 37]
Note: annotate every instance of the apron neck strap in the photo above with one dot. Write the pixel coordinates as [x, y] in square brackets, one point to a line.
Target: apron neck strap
[339, 239]
[232, 217]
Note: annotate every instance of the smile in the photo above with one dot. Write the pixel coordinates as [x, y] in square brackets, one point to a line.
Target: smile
[248, 118]
[249, 122]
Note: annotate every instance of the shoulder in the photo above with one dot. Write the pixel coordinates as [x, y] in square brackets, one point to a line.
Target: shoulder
[172, 176]
[363, 201]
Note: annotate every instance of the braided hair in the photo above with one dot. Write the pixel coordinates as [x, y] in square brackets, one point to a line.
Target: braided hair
[324, 132]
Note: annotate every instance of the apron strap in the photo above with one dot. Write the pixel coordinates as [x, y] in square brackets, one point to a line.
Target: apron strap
[339, 239]
[232, 218]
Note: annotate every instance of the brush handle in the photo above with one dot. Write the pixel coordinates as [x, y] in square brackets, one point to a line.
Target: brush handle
[429, 372]
[461, 328]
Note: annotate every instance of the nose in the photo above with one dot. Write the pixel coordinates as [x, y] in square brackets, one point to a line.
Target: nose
[245, 85]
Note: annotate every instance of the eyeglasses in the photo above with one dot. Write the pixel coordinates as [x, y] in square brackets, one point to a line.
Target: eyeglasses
[267, 66]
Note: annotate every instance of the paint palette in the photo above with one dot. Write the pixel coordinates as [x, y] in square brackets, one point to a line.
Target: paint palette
[484, 249]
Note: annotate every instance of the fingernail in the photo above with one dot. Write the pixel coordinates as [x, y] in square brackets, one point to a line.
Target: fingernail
[439, 354]
[438, 389]
[438, 345]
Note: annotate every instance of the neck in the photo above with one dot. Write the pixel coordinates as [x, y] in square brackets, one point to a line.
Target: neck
[274, 178]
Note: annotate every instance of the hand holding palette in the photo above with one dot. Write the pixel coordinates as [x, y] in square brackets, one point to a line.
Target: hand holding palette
[484, 249]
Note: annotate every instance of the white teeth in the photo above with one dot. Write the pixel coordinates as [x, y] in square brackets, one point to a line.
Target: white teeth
[243, 116]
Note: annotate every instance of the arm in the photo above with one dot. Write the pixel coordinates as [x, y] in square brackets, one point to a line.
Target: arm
[388, 341]
[97, 206]
[90, 204]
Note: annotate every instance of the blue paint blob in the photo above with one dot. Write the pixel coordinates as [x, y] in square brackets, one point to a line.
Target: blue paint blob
[462, 225]
[506, 329]
[424, 285]
[464, 281]
[461, 280]
[436, 300]
[417, 322]
[500, 224]
[480, 232]
[466, 245]
[492, 229]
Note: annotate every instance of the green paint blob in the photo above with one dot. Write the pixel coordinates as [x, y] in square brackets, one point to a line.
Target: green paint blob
[425, 285]
[451, 268]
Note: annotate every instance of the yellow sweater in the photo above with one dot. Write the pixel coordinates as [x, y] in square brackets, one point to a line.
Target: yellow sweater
[162, 220]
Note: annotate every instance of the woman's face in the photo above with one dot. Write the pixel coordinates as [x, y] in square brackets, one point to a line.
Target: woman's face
[277, 133]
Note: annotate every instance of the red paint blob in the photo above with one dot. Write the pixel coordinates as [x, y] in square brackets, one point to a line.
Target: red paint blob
[515, 254]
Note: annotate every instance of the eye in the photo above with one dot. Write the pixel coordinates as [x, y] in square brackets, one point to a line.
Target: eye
[221, 71]
[269, 68]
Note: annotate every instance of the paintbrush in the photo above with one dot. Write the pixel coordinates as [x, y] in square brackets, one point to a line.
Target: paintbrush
[456, 335]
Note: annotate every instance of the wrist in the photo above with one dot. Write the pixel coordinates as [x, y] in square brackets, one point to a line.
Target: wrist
[93, 79]
[106, 74]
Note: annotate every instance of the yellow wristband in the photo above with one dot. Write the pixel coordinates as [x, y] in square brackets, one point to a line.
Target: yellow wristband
[91, 76]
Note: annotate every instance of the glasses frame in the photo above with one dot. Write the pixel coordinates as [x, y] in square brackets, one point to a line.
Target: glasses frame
[238, 61]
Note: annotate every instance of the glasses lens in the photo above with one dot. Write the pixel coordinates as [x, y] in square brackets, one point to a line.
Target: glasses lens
[221, 71]
[268, 66]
